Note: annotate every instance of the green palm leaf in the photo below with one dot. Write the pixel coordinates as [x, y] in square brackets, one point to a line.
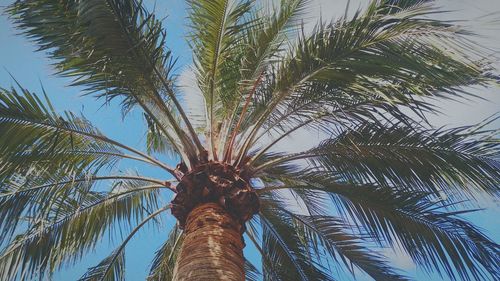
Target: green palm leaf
[216, 26]
[72, 226]
[47, 159]
[435, 238]
[113, 49]
[112, 268]
[216, 29]
[261, 42]
[284, 247]
[34, 132]
[327, 240]
[369, 61]
[458, 162]
[162, 267]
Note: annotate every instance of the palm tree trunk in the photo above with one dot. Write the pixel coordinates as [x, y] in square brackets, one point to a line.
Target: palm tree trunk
[212, 247]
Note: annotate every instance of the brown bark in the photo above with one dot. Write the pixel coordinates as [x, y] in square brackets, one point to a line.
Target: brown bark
[212, 247]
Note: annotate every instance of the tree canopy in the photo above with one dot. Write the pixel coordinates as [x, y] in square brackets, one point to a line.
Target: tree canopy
[381, 177]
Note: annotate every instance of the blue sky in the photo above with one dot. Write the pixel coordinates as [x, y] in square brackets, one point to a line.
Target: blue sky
[31, 69]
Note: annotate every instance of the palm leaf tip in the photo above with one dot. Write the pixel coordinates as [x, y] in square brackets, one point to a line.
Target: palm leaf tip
[101, 272]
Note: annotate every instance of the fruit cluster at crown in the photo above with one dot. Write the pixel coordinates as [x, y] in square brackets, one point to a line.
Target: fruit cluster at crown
[218, 183]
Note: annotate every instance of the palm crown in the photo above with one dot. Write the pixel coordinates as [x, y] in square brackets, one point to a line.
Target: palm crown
[379, 178]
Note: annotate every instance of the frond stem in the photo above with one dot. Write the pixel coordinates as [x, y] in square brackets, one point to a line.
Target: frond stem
[162, 183]
[101, 138]
[212, 78]
[229, 148]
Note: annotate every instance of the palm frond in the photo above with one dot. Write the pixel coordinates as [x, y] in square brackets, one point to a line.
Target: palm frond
[265, 38]
[251, 272]
[326, 239]
[35, 134]
[163, 264]
[33, 194]
[112, 268]
[328, 232]
[283, 246]
[216, 28]
[260, 43]
[377, 59]
[47, 158]
[270, 268]
[64, 229]
[435, 238]
[459, 162]
[113, 48]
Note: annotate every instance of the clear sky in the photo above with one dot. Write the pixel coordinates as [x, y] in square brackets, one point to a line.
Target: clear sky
[32, 69]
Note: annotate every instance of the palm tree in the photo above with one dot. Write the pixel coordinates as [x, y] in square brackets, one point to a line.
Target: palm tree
[382, 177]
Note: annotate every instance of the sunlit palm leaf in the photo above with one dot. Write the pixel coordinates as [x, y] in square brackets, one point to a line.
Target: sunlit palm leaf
[261, 42]
[216, 29]
[33, 134]
[265, 38]
[40, 148]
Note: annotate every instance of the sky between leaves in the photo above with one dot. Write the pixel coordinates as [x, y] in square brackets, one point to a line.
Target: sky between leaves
[32, 70]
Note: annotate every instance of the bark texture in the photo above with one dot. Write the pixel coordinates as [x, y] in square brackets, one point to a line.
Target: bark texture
[212, 248]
